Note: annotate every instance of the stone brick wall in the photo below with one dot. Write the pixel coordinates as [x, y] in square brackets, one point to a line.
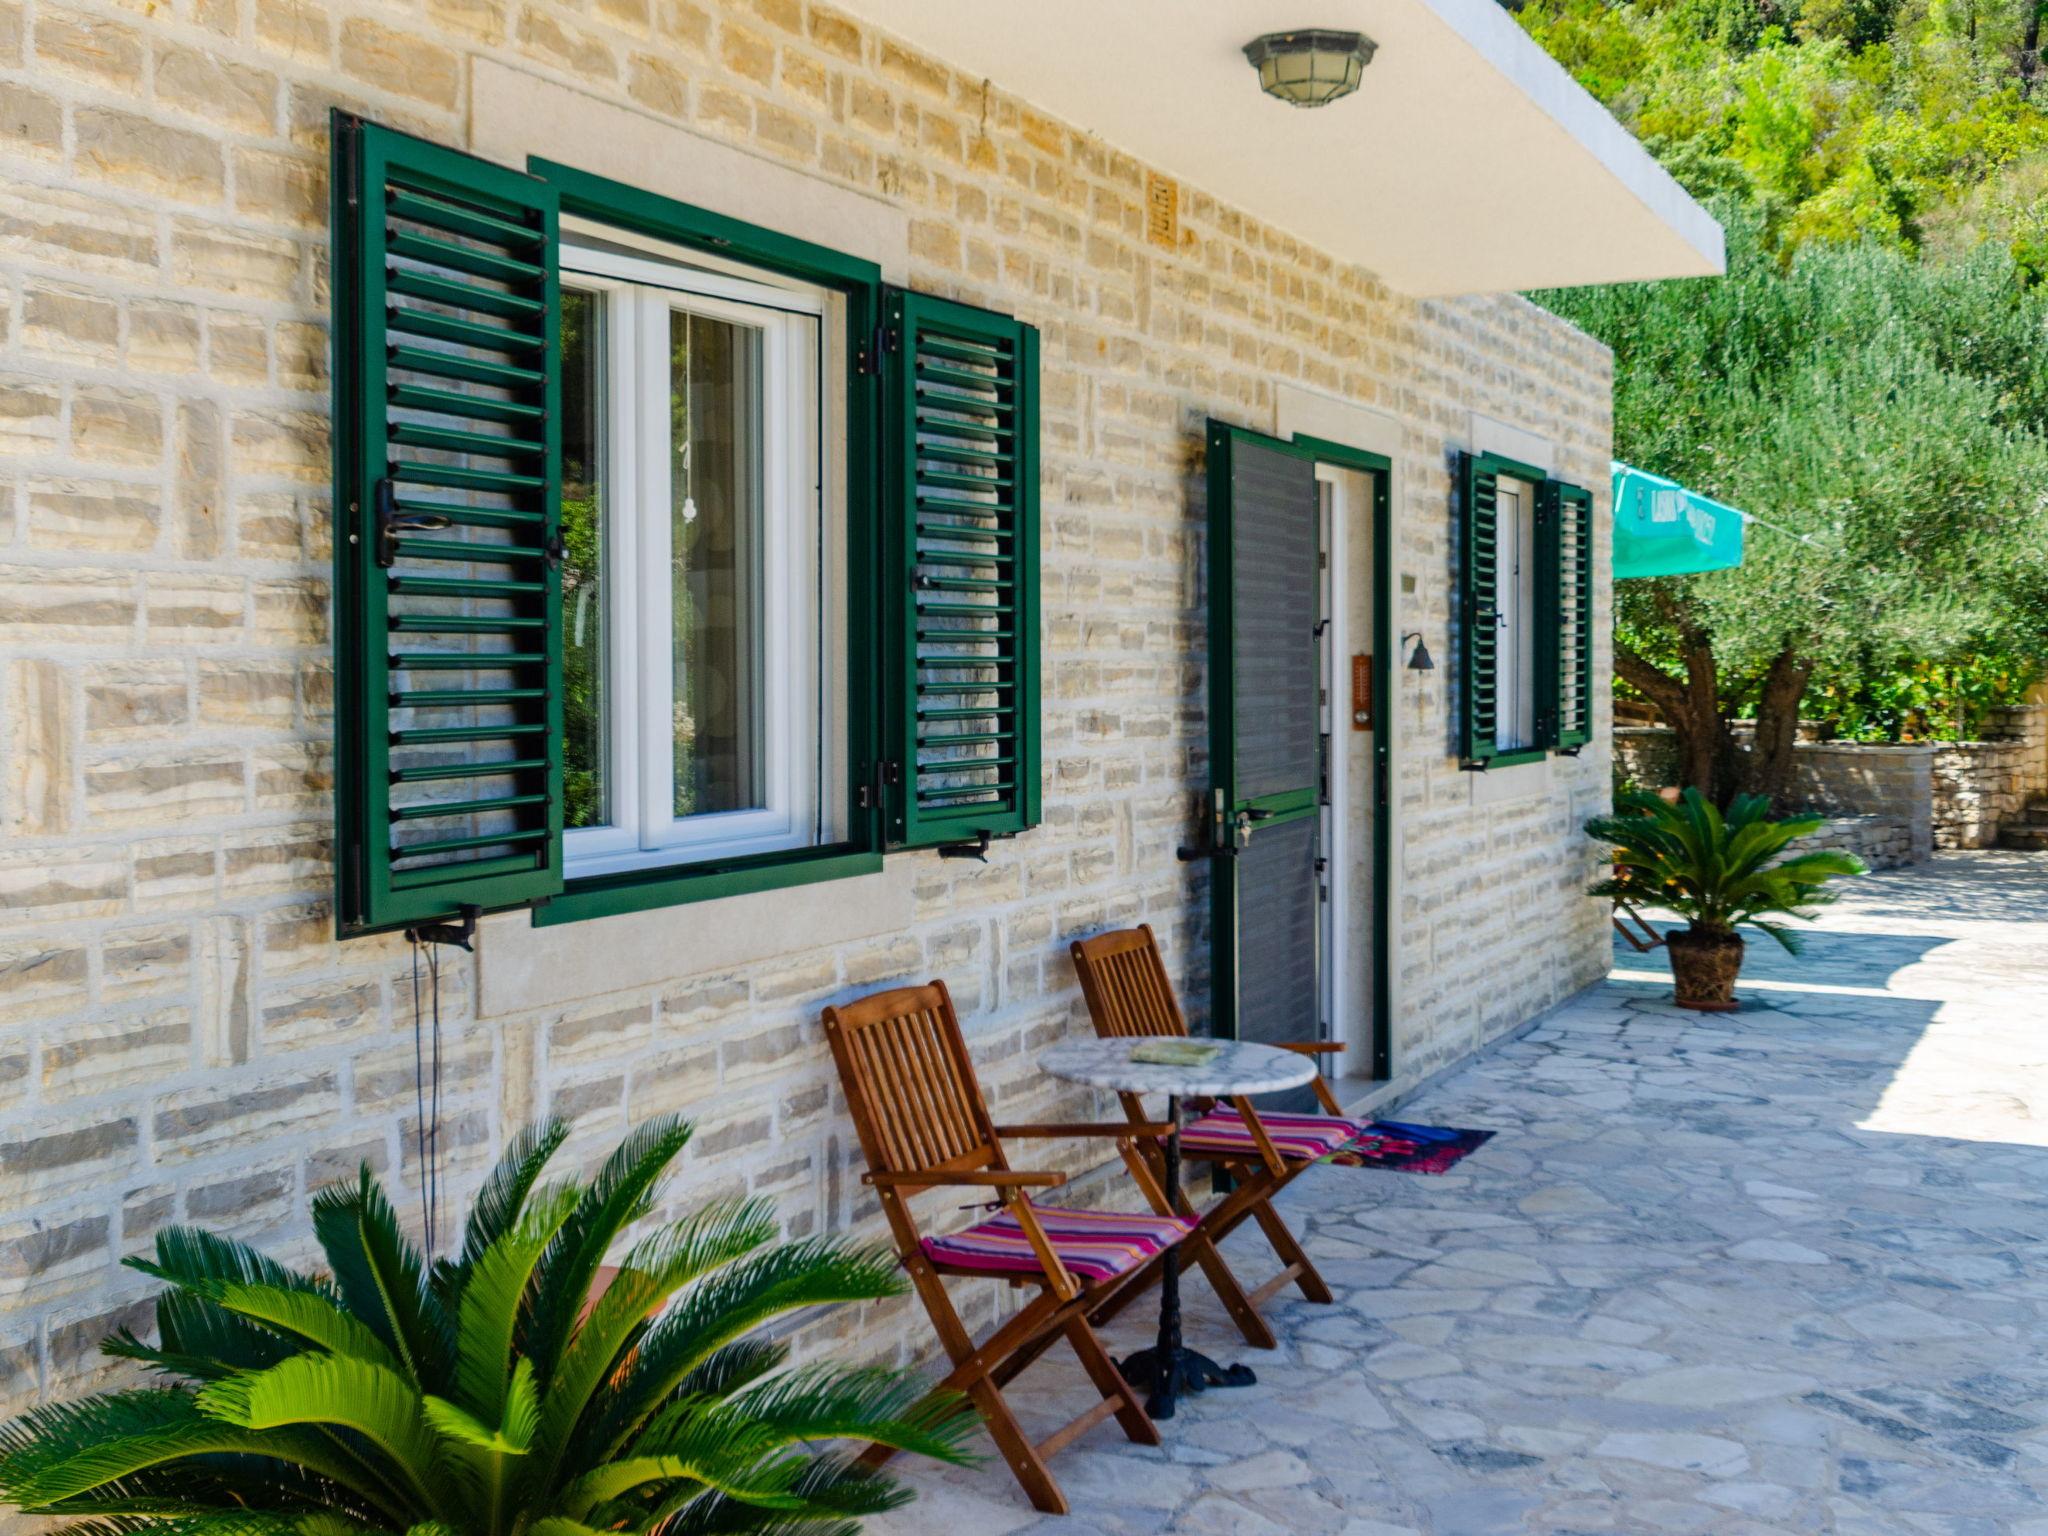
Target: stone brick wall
[1647, 754]
[180, 1037]
[1882, 842]
[1981, 785]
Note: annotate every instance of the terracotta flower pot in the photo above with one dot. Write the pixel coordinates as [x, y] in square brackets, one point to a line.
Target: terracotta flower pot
[1704, 965]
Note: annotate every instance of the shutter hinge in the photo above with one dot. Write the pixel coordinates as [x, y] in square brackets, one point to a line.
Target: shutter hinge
[880, 343]
[881, 776]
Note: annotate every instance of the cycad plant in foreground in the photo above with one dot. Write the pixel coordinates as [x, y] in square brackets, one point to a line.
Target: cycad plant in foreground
[488, 1394]
[1717, 871]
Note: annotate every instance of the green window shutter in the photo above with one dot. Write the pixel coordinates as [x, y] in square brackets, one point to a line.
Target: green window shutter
[1569, 573]
[1478, 573]
[447, 592]
[960, 470]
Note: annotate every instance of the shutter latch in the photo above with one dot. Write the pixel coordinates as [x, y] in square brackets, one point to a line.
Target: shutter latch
[390, 523]
[976, 850]
[555, 550]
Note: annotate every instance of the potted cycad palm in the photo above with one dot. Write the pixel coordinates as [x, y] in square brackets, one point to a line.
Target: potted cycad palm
[501, 1392]
[1719, 872]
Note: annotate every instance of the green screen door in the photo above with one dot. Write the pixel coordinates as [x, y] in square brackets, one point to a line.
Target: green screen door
[1265, 739]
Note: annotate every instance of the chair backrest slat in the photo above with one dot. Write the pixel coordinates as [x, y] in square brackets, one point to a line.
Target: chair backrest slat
[1124, 977]
[910, 1082]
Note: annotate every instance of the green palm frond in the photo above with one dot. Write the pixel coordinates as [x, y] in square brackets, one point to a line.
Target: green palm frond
[620, 1195]
[702, 1444]
[492, 1299]
[501, 1203]
[381, 1276]
[738, 1364]
[653, 1271]
[823, 1402]
[835, 1492]
[194, 1257]
[57, 1454]
[308, 1315]
[196, 1337]
[340, 1392]
[746, 1295]
[200, 1340]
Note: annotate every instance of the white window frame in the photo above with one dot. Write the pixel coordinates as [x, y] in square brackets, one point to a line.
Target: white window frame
[798, 550]
[1514, 727]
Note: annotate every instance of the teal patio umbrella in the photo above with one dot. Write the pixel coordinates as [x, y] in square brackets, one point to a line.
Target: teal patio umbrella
[1663, 529]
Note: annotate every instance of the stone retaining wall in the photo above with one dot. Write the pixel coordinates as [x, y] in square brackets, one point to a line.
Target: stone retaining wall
[1882, 842]
[1981, 785]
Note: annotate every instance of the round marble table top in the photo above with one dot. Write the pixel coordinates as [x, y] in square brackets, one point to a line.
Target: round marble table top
[1239, 1067]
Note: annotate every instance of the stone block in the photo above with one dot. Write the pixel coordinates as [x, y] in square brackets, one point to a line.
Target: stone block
[196, 1121]
[97, 515]
[90, 49]
[150, 157]
[70, 322]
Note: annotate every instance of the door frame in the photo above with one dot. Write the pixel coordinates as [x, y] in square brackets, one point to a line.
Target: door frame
[1378, 468]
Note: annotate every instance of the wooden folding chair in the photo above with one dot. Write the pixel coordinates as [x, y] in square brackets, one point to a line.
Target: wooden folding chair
[1130, 996]
[923, 1124]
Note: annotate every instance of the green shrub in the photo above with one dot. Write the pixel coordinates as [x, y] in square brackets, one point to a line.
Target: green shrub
[502, 1392]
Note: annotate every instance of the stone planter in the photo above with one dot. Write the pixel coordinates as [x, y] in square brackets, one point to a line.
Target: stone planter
[1704, 965]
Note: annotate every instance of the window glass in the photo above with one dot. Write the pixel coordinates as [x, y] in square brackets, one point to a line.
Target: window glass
[704, 516]
[1515, 678]
[583, 608]
[715, 490]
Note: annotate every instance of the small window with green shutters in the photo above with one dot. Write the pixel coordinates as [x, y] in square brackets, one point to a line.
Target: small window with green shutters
[1526, 590]
[668, 564]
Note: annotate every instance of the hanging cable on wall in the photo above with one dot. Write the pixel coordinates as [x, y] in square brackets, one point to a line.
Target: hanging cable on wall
[426, 1059]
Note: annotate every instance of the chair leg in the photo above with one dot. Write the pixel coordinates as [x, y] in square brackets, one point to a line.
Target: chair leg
[1109, 1381]
[971, 1373]
[1290, 1251]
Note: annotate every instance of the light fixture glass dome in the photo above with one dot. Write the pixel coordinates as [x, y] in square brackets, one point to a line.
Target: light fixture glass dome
[1312, 67]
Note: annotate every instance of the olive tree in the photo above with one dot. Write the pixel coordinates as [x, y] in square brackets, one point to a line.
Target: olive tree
[1887, 418]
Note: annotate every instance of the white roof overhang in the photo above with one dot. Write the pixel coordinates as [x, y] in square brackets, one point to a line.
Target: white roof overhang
[1469, 161]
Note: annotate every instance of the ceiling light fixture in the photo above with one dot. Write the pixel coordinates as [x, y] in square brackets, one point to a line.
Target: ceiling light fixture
[1311, 67]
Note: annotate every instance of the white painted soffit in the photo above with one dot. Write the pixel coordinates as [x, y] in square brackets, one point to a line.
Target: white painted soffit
[1468, 161]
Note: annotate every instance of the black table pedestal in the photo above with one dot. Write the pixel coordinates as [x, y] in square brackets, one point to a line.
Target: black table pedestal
[1169, 1368]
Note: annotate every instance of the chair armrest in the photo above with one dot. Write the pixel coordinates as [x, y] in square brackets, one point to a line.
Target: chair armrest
[984, 1178]
[1106, 1128]
[1310, 1047]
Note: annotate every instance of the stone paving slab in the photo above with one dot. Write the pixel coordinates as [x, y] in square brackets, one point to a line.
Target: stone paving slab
[1774, 1271]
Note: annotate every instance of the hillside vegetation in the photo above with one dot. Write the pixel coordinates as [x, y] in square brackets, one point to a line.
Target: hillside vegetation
[1869, 377]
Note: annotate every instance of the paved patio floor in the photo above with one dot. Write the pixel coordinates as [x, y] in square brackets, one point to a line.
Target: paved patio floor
[1774, 1271]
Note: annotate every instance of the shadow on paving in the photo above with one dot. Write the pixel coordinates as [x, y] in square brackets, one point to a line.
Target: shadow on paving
[1763, 1272]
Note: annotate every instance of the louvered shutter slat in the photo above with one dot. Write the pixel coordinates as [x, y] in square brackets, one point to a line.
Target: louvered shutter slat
[962, 474]
[447, 604]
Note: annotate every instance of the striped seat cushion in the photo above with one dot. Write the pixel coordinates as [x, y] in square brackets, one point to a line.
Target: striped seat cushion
[1298, 1138]
[1094, 1245]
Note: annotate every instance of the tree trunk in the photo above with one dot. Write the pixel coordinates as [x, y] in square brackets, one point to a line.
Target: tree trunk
[1769, 769]
[1690, 706]
[2030, 52]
